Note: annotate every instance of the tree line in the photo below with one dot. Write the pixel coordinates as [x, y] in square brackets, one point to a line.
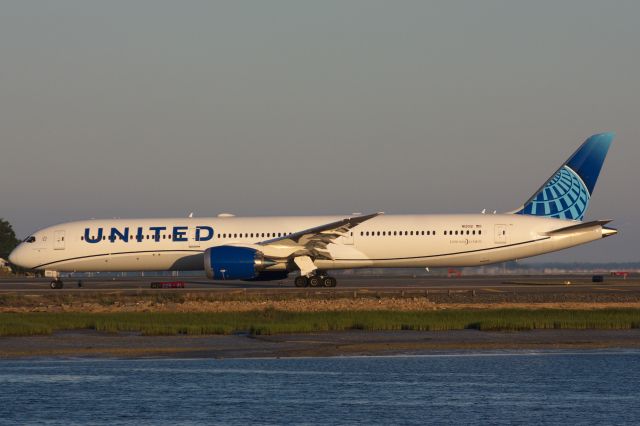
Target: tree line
[8, 240]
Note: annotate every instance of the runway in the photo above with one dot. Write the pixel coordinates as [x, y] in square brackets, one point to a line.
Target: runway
[487, 285]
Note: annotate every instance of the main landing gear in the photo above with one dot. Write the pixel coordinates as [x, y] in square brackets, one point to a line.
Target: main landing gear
[56, 283]
[318, 280]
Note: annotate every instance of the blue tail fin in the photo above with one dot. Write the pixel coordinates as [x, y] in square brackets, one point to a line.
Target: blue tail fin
[567, 193]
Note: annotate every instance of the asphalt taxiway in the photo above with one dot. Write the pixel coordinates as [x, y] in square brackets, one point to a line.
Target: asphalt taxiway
[508, 284]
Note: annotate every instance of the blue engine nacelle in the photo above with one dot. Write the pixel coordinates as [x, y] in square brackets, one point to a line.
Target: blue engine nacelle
[234, 263]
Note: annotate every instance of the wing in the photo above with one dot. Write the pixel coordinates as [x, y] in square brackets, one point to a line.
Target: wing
[313, 242]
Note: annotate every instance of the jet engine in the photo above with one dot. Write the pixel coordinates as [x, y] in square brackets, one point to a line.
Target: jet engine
[234, 263]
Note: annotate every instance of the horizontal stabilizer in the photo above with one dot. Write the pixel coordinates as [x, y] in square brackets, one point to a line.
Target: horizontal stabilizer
[574, 228]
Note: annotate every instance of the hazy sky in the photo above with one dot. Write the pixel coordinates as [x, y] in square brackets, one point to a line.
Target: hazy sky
[153, 108]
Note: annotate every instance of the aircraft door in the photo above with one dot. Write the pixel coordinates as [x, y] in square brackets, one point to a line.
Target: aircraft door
[193, 242]
[500, 232]
[348, 238]
[58, 240]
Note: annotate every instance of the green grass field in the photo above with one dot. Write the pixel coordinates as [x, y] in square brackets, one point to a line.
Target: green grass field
[276, 322]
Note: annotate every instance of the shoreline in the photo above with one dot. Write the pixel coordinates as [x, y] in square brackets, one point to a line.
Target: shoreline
[240, 324]
[94, 344]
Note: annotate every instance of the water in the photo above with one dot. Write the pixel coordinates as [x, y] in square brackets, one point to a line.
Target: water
[557, 387]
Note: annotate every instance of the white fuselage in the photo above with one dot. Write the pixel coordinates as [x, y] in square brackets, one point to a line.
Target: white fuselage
[385, 241]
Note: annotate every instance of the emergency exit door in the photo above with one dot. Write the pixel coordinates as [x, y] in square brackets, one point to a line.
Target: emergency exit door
[193, 241]
[58, 240]
[500, 234]
[347, 238]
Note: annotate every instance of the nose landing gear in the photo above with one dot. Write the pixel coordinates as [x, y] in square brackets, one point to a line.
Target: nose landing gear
[56, 284]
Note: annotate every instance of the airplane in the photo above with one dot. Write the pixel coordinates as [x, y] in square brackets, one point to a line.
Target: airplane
[227, 247]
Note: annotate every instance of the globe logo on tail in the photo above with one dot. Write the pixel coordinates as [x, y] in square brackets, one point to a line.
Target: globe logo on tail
[565, 196]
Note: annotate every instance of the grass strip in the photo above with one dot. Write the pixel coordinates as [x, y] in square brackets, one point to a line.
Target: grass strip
[271, 321]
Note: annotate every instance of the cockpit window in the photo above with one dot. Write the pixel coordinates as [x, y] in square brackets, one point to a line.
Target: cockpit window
[31, 239]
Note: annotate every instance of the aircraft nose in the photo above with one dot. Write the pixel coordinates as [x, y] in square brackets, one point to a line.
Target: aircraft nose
[15, 257]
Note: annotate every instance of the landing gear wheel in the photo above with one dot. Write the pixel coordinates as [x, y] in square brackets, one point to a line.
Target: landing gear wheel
[55, 284]
[301, 281]
[315, 281]
[329, 282]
